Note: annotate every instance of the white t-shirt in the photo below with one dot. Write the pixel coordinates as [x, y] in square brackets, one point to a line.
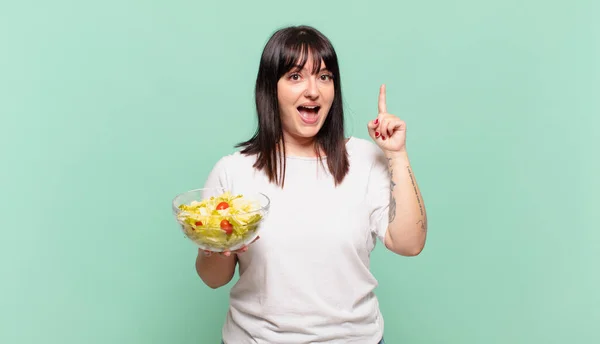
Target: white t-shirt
[307, 279]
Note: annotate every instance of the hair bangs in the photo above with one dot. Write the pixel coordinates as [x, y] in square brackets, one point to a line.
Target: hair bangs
[297, 50]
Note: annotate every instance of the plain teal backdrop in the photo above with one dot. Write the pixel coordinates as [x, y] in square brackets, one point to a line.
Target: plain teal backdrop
[110, 108]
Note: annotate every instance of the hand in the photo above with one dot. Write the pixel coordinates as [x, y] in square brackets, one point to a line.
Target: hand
[387, 130]
[228, 253]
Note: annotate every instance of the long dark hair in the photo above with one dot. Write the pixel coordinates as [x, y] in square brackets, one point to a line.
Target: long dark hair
[287, 48]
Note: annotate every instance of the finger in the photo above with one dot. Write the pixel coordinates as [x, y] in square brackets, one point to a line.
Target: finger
[390, 126]
[373, 127]
[241, 250]
[207, 253]
[373, 124]
[382, 101]
[385, 133]
[226, 253]
[395, 125]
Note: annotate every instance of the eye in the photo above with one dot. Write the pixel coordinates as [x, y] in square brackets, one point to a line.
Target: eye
[295, 76]
[326, 77]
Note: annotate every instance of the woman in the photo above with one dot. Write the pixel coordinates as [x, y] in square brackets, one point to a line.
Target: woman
[307, 279]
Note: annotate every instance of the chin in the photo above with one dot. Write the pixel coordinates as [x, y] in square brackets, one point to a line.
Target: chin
[308, 132]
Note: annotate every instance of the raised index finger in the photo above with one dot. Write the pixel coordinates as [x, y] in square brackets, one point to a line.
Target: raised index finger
[382, 106]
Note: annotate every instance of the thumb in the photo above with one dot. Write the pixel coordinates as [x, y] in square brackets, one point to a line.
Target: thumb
[372, 127]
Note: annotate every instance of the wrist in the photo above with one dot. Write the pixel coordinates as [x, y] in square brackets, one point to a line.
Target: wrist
[395, 155]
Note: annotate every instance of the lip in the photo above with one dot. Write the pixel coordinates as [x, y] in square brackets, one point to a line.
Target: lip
[309, 104]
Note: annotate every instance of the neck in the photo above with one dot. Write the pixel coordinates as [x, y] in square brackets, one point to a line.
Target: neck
[301, 147]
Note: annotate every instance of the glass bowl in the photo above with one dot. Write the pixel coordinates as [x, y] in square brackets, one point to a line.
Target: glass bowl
[218, 220]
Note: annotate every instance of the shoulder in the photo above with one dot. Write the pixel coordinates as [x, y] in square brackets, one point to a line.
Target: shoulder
[234, 161]
[236, 165]
[364, 151]
[233, 167]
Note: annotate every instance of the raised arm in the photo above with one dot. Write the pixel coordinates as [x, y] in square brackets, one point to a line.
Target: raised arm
[407, 230]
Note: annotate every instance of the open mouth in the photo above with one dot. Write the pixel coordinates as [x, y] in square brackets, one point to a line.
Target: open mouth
[309, 114]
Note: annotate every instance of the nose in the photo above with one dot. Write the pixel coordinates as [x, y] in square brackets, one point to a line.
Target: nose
[312, 90]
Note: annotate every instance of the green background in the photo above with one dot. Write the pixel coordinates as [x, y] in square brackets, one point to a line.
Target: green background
[110, 108]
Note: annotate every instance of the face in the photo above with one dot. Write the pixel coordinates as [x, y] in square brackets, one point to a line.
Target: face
[304, 101]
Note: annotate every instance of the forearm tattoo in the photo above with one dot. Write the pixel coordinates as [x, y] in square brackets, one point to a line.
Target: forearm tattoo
[392, 210]
[423, 221]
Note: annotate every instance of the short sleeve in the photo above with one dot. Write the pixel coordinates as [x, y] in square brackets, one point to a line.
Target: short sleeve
[218, 179]
[379, 195]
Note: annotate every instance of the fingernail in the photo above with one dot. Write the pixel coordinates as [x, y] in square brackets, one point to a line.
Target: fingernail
[376, 121]
[377, 134]
[383, 137]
